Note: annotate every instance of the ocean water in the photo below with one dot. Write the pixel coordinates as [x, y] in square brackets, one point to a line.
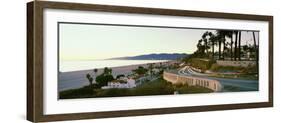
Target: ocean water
[67, 66]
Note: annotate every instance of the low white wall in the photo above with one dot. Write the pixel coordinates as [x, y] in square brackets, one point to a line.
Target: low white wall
[236, 63]
[193, 81]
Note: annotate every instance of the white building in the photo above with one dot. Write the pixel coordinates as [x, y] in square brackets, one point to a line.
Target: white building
[131, 83]
[128, 83]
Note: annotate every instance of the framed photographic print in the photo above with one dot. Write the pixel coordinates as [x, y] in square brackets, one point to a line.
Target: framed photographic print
[97, 61]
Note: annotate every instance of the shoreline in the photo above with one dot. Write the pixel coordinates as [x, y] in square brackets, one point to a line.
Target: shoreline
[77, 79]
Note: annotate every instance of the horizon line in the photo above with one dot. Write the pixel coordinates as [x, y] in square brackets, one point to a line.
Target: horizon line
[112, 58]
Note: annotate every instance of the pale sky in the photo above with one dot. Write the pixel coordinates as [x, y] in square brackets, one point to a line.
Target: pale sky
[91, 42]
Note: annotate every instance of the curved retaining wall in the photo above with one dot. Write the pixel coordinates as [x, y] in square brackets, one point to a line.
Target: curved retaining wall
[193, 81]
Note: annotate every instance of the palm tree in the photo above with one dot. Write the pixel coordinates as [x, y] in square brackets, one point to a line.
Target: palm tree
[222, 35]
[221, 38]
[229, 34]
[204, 38]
[257, 52]
[206, 47]
[219, 47]
[235, 45]
[96, 71]
[231, 46]
[90, 79]
[107, 71]
[213, 40]
[239, 46]
[200, 48]
[224, 46]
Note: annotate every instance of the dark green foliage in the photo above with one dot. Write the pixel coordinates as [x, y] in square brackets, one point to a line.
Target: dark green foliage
[161, 72]
[218, 68]
[226, 50]
[103, 79]
[114, 92]
[119, 76]
[107, 71]
[83, 92]
[245, 70]
[141, 70]
[203, 64]
[156, 87]
[185, 89]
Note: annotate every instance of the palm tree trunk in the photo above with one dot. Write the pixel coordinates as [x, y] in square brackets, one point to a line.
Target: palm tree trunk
[239, 47]
[213, 49]
[206, 45]
[223, 52]
[231, 53]
[235, 46]
[219, 48]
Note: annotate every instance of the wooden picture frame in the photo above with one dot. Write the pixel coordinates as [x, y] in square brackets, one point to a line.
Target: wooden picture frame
[35, 62]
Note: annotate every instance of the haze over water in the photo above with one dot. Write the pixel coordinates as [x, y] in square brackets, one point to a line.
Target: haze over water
[67, 66]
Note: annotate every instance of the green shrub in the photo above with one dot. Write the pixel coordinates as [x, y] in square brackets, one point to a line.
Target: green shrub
[246, 70]
[103, 79]
[156, 87]
[119, 76]
[203, 64]
[141, 70]
[193, 89]
[83, 92]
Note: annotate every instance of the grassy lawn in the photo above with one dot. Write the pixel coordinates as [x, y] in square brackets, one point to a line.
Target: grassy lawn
[237, 76]
[232, 88]
[156, 87]
[193, 89]
[237, 89]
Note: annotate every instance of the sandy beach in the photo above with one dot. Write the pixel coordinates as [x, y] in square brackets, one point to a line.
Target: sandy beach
[77, 79]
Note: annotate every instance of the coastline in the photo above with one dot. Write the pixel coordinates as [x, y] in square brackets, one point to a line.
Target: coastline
[77, 79]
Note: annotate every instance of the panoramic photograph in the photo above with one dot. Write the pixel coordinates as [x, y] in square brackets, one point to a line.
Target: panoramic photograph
[110, 60]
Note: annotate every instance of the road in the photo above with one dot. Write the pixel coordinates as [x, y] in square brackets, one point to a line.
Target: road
[229, 85]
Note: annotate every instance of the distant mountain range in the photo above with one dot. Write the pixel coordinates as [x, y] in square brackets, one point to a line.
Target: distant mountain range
[161, 56]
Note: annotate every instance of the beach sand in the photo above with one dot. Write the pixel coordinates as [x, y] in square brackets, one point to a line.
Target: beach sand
[77, 79]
